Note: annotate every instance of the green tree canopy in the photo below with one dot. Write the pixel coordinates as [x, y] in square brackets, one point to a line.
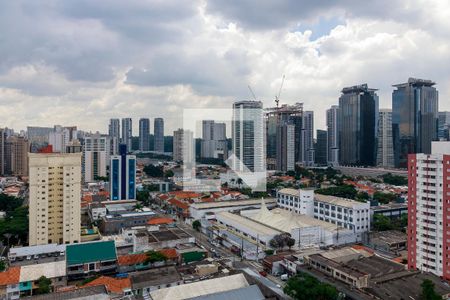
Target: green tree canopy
[154, 256]
[154, 171]
[305, 287]
[344, 191]
[395, 179]
[428, 292]
[196, 225]
[43, 285]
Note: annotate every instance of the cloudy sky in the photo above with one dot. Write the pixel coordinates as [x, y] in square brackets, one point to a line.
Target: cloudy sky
[82, 62]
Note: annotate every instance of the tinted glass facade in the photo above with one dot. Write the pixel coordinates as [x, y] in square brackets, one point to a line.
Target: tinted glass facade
[358, 115]
[414, 118]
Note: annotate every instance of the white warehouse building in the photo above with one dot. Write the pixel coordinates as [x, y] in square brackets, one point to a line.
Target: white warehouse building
[345, 213]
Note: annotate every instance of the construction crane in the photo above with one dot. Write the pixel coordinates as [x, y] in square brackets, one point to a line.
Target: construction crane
[277, 97]
[251, 91]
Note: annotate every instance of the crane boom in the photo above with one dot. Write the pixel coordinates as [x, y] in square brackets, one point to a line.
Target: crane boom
[251, 91]
[277, 97]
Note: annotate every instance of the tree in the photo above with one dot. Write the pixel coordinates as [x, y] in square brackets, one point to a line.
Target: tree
[305, 287]
[2, 265]
[43, 285]
[169, 173]
[395, 179]
[344, 191]
[382, 223]
[154, 171]
[290, 242]
[428, 292]
[384, 198]
[14, 227]
[239, 182]
[154, 256]
[196, 225]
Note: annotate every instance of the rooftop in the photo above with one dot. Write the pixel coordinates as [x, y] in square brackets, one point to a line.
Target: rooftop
[284, 220]
[131, 259]
[344, 202]
[49, 270]
[113, 285]
[10, 276]
[154, 277]
[35, 250]
[246, 293]
[288, 191]
[344, 268]
[93, 292]
[230, 203]
[251, 224]
[376, 266]
[90, 252]
[201, 288]
[160, 221]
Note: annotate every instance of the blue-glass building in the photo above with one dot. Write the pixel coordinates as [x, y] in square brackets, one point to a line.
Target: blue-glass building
[122, 175]
[414, 118]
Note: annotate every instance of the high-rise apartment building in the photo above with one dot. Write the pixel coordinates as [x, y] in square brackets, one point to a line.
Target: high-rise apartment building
[333, 135]
[248, 136]
[55, 198]
[307, 139]
[16, 156]
[127, 132]
[444, 125]
[285, 147]
[60, 137]
[358, 117]
[2, 151]
[385, 153]
[144, 134]
[122, 175]
[321, 147]
[114, 135]
[158, 135]
[429, 210]
[95, 156]
[279, 116]
[183, 146]
[414, 118]
[214, 141]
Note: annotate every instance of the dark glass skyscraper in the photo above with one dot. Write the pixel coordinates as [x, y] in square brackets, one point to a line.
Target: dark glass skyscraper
[358, 115]
[122, 177]
[158, 128]
[414, 118]
[321, 147]
[144, 134]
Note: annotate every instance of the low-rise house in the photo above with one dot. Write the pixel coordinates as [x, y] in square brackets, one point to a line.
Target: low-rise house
[30, 274]
[142, 283]
[91, 258]
[114, 223]
[9, 283]
[98, 292]
[341, 272]
[116, 287]
[138, 261]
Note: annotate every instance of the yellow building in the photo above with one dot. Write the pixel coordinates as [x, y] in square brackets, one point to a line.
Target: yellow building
[55, 196]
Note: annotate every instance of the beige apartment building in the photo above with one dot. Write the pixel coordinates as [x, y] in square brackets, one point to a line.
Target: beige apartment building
[55, 196]
[16, 156]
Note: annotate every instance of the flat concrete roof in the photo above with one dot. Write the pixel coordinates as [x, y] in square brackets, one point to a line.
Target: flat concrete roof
[231, 203]
[344, 202]
[253, 225]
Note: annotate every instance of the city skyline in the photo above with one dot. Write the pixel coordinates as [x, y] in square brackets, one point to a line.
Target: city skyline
[116, 70]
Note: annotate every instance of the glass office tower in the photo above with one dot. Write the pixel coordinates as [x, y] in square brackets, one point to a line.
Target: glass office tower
[414, 118]
[358, 115]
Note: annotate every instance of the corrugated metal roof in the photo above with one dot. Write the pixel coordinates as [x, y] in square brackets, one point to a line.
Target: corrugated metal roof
[246, 293]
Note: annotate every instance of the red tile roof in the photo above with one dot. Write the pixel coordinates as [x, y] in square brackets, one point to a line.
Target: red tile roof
[179, 204]
[131, 259]
[160, 221]
[185, 194]
[169, 253]
[114, 285]
[10, 276]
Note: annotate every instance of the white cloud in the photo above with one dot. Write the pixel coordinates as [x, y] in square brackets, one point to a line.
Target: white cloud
[83, 64]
